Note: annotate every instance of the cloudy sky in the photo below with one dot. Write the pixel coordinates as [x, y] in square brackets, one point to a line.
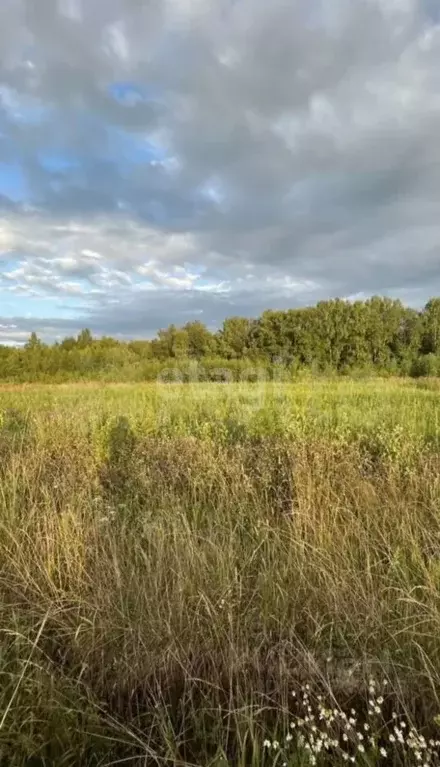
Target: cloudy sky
[166, 160]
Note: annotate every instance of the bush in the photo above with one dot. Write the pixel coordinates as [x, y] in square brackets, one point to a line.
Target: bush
[425, 366]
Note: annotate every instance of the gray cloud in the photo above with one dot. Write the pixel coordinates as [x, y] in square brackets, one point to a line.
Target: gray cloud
[222, 157]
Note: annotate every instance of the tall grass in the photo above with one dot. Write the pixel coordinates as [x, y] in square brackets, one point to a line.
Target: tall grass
[175, 562]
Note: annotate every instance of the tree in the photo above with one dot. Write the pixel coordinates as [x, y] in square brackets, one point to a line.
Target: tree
[141, 348]
[84, 339]
[301, 331]
[270, 336]
[33, 342]
[171, 342]
[383, 323]
[431, 327]
[67, 344]
[234, 337]
[200, 341]
[332, 333]
[336, 335]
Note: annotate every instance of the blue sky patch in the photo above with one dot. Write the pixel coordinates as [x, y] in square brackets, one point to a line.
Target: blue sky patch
[13, 183]
[130, 94]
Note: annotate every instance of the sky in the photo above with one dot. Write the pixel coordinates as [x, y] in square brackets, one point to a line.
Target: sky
[170, 160]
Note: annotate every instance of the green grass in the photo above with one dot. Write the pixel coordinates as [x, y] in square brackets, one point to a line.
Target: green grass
[175, 561]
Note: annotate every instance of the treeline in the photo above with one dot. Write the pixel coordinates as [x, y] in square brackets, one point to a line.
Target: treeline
[376, 336]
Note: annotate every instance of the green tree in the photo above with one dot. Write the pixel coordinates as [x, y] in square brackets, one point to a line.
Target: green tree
[172, 342]
[201, 342]
[162, 346]
[270, 336]
[33, 342]
[141, 348]
[85, 339]
[431, 327]
[234, 337]
[67, 344]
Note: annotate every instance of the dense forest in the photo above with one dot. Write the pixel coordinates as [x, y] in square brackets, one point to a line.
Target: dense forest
[377, 336]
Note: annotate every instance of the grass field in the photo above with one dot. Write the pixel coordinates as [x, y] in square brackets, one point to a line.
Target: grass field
[220, 574]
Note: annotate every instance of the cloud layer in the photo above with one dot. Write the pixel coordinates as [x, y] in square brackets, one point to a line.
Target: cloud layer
[168, 159]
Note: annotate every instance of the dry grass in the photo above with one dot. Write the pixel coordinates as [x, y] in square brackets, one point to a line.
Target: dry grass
[169, 577]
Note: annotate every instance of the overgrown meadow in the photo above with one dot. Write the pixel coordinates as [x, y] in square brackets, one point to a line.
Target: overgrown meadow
[220, 574]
